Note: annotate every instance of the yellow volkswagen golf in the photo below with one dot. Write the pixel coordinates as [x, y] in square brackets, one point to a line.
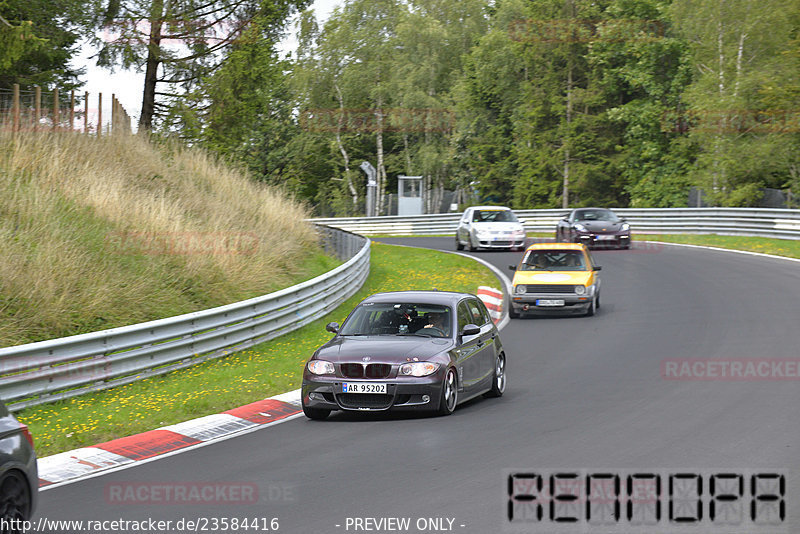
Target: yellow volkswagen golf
[555, 277]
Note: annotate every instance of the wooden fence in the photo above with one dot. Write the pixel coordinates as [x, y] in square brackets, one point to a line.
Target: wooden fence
[25, 111]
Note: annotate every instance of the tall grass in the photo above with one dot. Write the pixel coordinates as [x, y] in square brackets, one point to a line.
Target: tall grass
[104, 232]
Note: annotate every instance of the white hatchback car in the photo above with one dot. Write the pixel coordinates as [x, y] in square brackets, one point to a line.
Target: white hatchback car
[490, 227]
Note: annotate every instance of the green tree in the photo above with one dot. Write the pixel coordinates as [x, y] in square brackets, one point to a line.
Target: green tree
[737, 50]
[643, 76]
[180, 43]
[39, 39]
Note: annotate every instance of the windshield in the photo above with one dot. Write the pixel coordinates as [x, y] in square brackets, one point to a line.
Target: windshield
[596, 215]
[494, 216]
[398, 318]
[554, 260]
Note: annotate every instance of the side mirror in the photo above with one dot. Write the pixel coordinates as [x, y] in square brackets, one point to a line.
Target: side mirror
[470, 330]
[512, 267]
[565, 219]
[332, 328]
[623, 219]
[523, 222]
[597, 268]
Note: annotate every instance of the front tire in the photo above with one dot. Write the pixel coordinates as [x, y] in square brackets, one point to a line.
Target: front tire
[592, 308]
[15, 498]
[499, 378]
[449, 397]
[512, 313]
[317, 414]
[459, 244]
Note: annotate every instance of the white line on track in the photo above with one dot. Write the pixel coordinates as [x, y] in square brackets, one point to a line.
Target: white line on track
[772, 256]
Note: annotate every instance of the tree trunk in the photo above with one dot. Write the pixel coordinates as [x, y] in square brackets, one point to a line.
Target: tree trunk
[739, 54]
[381, 167]
[565, 187]
[350, 186]
[153, 61]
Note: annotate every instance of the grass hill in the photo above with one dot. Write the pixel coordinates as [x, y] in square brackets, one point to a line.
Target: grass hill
[99, 233]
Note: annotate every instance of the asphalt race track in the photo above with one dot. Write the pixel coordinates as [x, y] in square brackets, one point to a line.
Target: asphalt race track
[583, 393]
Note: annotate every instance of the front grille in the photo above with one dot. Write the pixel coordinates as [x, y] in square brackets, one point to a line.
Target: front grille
[353, 370]
[547, 288]
[378, 370]
[500, 243]
[359, 370]
[364, 400]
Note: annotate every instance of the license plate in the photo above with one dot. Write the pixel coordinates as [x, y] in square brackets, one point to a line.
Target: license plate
[363, 387]
[550, 302]
[606, 237]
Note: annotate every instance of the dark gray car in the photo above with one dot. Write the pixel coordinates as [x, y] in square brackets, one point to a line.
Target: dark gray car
[594, 227]
[19, 479]
[407, 350]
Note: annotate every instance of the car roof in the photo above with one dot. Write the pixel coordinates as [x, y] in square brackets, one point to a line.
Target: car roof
[496, 208]
[557, 246]
[422, 297]
[596, 209]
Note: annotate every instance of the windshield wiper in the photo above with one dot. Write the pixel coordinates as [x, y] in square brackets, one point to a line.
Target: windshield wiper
[415, 334]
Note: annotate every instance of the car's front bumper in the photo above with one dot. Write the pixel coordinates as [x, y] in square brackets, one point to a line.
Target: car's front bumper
[604, 240]
[504, 241]
[527, 303]
[412, 393]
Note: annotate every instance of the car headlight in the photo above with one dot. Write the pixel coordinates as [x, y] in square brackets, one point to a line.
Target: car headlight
[320, 367]
[580, 290]
[625, 227]
[520, 289]
[418, 368]
[579, 227]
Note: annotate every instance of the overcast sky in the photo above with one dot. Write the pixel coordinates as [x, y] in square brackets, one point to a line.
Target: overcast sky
[127, 85]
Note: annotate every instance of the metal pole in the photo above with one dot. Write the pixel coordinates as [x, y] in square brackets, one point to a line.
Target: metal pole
[372, 185]
[113, 113]
[86, 112]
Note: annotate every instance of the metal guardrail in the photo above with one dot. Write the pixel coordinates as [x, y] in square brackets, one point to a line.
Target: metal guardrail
[56, 369]
[779, 223]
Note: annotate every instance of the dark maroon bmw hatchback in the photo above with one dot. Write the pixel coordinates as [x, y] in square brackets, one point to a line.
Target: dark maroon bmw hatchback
[406, 350]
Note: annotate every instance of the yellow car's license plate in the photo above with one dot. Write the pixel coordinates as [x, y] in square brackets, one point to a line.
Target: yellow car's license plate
[550, 302]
